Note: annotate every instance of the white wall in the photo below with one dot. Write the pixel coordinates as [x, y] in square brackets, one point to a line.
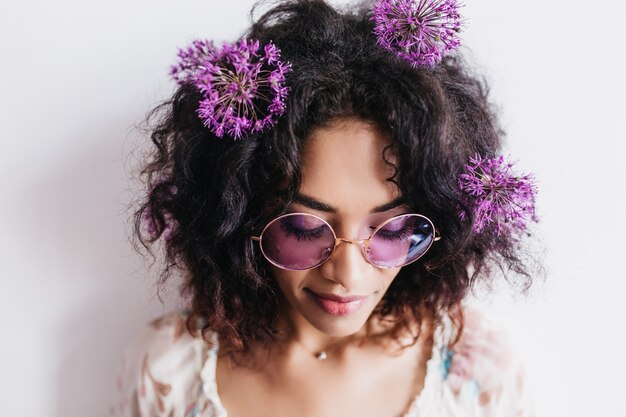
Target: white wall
[76, 75]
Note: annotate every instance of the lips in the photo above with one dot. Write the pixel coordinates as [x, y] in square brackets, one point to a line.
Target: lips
[338, 305]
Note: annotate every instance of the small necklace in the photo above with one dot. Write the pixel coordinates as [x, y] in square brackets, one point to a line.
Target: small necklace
[321, 355]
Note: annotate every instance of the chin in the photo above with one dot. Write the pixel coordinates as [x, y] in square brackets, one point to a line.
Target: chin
[335, 328]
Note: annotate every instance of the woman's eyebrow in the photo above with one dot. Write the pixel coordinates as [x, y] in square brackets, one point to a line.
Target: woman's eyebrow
[314, 204]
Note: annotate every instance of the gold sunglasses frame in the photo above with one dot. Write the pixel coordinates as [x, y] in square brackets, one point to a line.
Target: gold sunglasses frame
[364, 243]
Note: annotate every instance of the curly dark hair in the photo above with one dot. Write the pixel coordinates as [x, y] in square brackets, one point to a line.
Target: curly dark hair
[210, 194]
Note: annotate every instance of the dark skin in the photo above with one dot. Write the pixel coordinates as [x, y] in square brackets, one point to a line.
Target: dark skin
[342, 167]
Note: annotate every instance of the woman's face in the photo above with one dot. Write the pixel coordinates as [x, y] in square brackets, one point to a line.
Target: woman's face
[343, 175]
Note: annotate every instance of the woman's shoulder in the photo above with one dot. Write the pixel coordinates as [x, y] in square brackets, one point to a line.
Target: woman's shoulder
[481, 368]
[160, 372]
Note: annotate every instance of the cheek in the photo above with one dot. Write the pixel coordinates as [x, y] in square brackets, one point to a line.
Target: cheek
[387, 277]
[288, 281]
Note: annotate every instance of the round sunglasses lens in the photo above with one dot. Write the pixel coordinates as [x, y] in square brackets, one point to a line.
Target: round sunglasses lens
[400, 241]
[297, 241]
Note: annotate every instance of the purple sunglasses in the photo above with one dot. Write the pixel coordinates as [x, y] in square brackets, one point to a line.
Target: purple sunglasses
[298, 241]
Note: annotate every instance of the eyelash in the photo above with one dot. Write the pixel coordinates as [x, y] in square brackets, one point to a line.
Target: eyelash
[301, 234]
[313, 234]
[401, 234]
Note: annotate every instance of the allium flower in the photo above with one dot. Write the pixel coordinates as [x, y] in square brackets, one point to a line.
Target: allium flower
[193, 60]
[421, 32]
[243, 87]
[497, 197]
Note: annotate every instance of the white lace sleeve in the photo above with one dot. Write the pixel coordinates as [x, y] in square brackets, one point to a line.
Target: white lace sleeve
[160, 371]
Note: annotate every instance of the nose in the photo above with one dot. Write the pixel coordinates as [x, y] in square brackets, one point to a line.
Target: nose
[346, 265]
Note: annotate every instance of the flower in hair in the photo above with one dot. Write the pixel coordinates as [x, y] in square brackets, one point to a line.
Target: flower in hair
[243, 87]
[497, 197]
[421, 32]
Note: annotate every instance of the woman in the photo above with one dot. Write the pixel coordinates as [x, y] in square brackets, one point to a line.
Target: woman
[316, 185]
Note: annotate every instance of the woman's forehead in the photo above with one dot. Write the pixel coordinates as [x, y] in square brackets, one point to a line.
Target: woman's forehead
[343, 166]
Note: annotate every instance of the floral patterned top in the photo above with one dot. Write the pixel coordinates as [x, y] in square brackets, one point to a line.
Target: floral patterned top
[169, 372]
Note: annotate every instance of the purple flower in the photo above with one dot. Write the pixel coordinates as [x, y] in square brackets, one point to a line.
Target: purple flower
[193, 60]
[421, 32]
[243, 86]
[497, 197]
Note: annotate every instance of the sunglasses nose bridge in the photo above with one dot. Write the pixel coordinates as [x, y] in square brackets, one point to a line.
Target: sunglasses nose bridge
[361, 242]
[339, 240]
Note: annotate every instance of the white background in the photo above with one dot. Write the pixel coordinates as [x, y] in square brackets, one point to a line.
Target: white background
[76, 75]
